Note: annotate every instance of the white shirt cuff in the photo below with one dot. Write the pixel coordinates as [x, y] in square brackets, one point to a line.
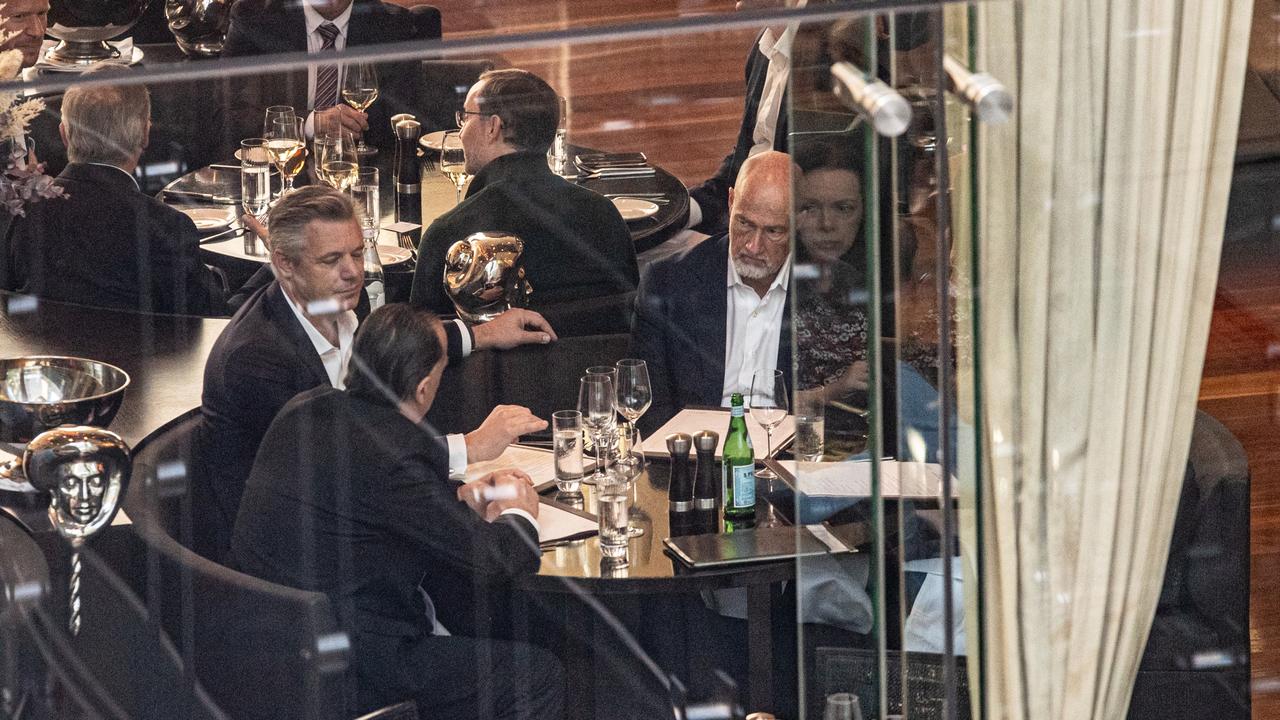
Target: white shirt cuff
[466, 337]
[695, 214]
[310, 126]
[457, 455]
[517, 511]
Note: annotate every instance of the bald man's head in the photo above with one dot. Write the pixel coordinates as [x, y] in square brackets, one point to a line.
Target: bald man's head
[760, 217]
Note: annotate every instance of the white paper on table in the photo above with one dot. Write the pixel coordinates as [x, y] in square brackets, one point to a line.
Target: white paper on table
[853, 478]
[557, 523]
[539, 464]
[693, 421]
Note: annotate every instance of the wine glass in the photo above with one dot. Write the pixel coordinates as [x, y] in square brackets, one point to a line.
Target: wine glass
[336, 160]
[769, 408]
[595, 402]
[453, 162]
[359, 90]
[287, 145]
[272, 114]
[634, 396]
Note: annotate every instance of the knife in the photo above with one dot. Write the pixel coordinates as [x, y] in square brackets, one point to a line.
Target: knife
[207, 197]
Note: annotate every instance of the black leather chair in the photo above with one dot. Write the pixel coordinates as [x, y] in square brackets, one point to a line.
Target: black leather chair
[260, 649]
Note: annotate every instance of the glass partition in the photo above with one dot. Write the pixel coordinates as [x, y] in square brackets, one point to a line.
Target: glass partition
[276, 557]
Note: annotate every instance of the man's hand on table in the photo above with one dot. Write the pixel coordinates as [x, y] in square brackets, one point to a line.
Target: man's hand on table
[340, 117]
[513, 328]
[500, 490]
[503, 426]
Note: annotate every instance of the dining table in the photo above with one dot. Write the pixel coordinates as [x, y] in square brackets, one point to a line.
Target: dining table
[211, 195]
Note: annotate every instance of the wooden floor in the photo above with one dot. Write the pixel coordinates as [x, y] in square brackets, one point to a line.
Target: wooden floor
[679, 99]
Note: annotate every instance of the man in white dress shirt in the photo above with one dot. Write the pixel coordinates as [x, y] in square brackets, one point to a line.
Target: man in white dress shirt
[764, 117]
[711, 318]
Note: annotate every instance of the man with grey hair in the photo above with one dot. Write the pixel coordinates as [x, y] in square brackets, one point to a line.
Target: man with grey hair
[295, 334]
[710, 319]
[106, 243]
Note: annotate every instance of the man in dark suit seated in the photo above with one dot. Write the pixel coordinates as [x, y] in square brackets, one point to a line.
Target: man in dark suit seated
[106, 243]
[323, 27]
[709, 319]
[576, 245]
[294, 334]
[349, 497]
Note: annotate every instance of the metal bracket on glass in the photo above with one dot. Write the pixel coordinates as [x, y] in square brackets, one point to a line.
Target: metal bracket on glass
[885, 109]
[987, 97]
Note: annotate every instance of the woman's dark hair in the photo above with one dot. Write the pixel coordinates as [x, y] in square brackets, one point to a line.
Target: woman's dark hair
[838, 152]
[395, 348]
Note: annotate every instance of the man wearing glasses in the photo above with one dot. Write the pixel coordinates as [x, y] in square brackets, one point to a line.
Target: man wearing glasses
[710, 318]
[576, 245]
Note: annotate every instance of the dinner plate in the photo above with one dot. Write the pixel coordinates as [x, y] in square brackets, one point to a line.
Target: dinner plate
[391, 254]
[634, 208]
[207, 219]
[432, 140]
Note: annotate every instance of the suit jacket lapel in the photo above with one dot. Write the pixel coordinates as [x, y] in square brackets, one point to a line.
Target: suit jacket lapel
[287, 323]
[714, 311]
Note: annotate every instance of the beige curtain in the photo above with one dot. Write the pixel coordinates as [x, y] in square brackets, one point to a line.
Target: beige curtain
[1099, 220]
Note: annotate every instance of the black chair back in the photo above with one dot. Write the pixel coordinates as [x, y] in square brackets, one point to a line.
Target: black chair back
[261, 650]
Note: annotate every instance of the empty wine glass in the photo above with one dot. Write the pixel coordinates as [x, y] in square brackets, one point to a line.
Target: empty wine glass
[359, 90]
[336, 161]
[272, 114]
[595, 402]
[634, 396]
[769, 408]
[287, 145]
[453, 161]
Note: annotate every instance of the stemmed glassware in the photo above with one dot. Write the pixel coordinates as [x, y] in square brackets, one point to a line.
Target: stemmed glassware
[287, 144]
[337, 164]
[453, 161]
[634, 396]
[769, 408]
[359, 90]
[595, 402]
[274, 113]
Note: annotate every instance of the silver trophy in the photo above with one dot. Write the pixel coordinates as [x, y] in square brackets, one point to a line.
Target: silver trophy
[85, 471]
[40, 393]
[84, 26]
[483, 275]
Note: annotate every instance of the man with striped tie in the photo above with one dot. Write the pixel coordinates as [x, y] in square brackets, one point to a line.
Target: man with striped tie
[323, 28]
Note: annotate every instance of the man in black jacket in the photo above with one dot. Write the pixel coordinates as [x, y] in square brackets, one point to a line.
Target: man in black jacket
[347, 498]
[294, 334]
[106, 243]
[576, 245]
[324, 27]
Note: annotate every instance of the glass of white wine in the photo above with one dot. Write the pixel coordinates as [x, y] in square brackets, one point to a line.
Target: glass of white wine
[287, 145]
[336, 161]
[453, 161]
[359, 90]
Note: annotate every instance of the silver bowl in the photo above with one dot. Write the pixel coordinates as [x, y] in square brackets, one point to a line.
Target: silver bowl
[84, 26]
[40, 393]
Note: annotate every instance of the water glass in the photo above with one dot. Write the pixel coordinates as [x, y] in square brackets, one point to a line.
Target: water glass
[566, 428]
[365, 195]
[842, 706]
[613, 502]
[558, 153]
[810, 425]
[255, 177]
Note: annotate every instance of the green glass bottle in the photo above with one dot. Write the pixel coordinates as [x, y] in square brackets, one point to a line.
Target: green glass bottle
[738, 468]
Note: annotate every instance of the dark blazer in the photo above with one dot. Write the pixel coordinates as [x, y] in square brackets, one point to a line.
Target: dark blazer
[576, 245]
[264, 27]
[349, 498]
[679, 329]
[712, 195]
[106, 244]
[260, 361]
